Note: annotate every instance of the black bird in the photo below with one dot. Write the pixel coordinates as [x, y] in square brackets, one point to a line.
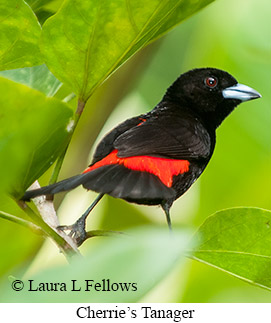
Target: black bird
[155, 157]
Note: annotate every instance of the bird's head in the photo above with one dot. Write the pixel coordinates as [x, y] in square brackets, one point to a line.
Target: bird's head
[210, 92]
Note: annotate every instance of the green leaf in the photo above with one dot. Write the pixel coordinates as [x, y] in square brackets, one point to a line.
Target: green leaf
[38, 4]
[19, 35]
[51, 5]
[86, 41]
[237, 241]
[44, 8]
[18, 244]
[36, 77]
[33, 132]
[143, 257]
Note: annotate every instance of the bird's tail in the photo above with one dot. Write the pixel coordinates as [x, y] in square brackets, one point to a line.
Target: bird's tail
[62, 186]
[115, 180]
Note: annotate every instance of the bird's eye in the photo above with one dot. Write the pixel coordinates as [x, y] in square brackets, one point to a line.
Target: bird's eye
[211, 82]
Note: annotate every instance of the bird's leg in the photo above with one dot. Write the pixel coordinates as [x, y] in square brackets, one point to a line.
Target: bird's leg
[166, 207]
[78, 229]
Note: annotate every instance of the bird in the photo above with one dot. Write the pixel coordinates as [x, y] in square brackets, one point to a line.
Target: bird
[154, 158]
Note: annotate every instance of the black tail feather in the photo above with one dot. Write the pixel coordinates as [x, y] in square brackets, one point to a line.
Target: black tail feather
[115, 180]
[65, 185]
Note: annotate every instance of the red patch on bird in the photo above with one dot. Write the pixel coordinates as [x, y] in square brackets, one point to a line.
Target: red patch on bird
[163, 168]
[143, 120]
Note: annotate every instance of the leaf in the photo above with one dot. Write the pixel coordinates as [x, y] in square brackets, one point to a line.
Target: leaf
[44, 8]
[86, 41]
[33, 132]
[38, 4]
[36, 77]
[143, 257]
[18, 244]
[237, 241]
[19, 35]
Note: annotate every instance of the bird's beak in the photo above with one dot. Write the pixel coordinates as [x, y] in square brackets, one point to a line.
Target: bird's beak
[240, 92]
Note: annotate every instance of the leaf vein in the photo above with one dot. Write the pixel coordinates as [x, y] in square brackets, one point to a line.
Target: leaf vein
[131, 18]
[225, 229]
[233, 252]
[231, 273]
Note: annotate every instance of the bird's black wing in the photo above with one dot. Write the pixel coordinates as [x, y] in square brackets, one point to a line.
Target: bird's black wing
[106, 144]
[166, 136]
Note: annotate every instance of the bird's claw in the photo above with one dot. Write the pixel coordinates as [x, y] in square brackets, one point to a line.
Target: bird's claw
[76, 231]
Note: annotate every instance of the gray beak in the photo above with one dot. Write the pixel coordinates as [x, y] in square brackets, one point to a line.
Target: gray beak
[240, 92]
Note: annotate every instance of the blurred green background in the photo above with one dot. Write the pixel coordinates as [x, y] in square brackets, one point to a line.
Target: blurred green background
[232, 35]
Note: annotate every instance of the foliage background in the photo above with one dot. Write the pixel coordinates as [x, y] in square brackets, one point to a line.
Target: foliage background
[229, 35]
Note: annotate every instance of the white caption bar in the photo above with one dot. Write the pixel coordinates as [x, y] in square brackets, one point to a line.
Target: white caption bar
[139, 312]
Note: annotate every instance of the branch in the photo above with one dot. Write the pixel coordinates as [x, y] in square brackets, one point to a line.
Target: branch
[48, 215]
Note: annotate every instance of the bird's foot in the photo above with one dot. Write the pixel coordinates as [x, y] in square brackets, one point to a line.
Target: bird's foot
[76, 231]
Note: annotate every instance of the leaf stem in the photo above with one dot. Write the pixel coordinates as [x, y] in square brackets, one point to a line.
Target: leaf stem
[27, 224]
[78, 112]
[80, 108]
[103, 233]
[58, 165]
